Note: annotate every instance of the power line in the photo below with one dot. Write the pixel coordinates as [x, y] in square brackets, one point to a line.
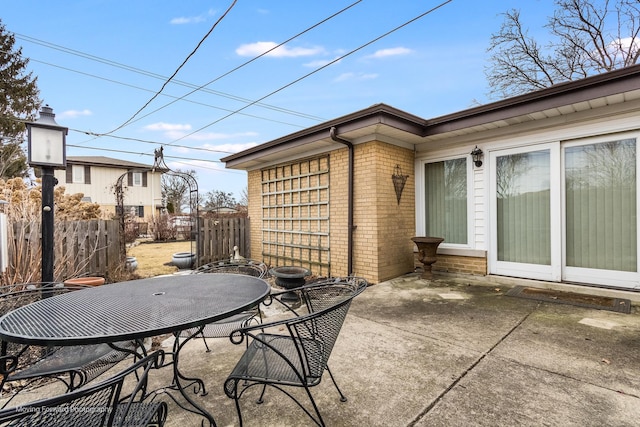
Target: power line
[251, 60]
[89, 133]
[177, 70]
[315, 71]
[152, 155]
[152, 75]
[145, 141]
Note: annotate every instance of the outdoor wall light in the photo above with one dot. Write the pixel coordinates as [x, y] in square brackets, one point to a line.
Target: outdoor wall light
[476, 155]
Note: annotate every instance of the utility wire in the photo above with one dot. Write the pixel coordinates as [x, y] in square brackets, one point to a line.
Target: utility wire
[152, 155]
[124, 138]
[152, 75]
[250, 61]
[208, 150]
[314, 71]
[164, 94]
[176, 71]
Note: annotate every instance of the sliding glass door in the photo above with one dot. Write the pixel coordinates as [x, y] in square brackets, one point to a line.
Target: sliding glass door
[524, 203]
[567, 211]
[600, 187]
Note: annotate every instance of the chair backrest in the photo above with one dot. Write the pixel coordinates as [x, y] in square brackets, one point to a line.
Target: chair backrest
[14, 356]
[89, 406]
[316, 333]
[247, 266]
[18, 295]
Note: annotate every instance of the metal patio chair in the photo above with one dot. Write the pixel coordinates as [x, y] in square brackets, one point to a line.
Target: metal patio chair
[298, 356]
[223, 328]
[97, 405]
[75, 366]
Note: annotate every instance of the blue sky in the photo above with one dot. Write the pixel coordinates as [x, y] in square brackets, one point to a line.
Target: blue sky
[98, 62]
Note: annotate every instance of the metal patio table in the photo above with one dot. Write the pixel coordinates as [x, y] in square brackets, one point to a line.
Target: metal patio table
[135, 310]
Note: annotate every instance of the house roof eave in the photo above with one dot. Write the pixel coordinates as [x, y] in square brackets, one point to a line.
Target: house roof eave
[320, 134]
[420, 131]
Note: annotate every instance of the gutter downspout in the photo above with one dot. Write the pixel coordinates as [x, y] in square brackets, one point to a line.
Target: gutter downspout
[334, 136]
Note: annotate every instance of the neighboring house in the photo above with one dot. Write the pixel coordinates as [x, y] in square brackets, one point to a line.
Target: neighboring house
[96, 177]
[555, 198]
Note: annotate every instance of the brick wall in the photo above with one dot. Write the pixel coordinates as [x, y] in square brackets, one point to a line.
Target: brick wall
[254, 179]
[382, 245]
[457, 264]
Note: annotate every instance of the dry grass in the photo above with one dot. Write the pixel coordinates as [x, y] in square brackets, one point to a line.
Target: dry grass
[153, 256]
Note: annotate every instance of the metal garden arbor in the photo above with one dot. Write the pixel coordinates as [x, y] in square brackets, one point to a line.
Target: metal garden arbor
[160, 166]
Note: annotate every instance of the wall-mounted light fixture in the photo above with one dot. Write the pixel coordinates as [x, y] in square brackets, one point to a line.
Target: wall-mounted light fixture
[476, 155]
[398, 181]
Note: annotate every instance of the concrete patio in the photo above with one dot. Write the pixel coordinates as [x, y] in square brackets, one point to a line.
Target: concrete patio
[451, 352]
[454, 352]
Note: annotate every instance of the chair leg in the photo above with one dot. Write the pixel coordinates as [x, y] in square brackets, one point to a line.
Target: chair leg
[343, 398]
[205, 342]
[236, 398]
[319, 421]
[260, 399]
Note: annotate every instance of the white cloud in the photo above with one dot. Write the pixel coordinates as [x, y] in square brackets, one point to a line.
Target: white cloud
[319, 63]
[222, 149]
[181, 20]
[258, 48]
[168, 127]
[355, 76]
[72, 114]
[394, 51]
[214, 136]
[234, 148]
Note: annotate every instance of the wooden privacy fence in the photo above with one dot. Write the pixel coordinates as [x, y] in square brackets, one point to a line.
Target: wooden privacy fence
[82, 248]
[219, 236]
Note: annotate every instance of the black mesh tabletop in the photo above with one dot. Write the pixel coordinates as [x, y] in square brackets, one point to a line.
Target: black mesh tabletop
[133, 309]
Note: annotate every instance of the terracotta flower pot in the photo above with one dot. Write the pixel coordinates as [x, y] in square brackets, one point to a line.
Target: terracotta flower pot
[89, 281]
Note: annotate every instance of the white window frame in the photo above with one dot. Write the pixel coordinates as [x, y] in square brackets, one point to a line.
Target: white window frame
[136, 179]
[420, 199]
[77, 174]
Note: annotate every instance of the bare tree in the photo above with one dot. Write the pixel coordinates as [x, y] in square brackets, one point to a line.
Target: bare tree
[587, 38]
[175, 188]
[216, 199]
[243, 204]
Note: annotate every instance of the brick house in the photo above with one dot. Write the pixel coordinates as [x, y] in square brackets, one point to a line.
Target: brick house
[554, 197]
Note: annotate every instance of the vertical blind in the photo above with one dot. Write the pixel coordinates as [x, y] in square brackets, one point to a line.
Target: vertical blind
[600, 184]
[446, 200]
[523, 207]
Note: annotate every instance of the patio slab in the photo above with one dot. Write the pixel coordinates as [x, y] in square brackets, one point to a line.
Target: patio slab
[450, 352]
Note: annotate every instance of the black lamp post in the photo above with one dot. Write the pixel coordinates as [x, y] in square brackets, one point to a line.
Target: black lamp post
[47, 150]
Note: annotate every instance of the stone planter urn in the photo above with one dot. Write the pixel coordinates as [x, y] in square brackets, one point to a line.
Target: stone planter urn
[183, 260]
[290, 277]
[427, 248]
[130, 263]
